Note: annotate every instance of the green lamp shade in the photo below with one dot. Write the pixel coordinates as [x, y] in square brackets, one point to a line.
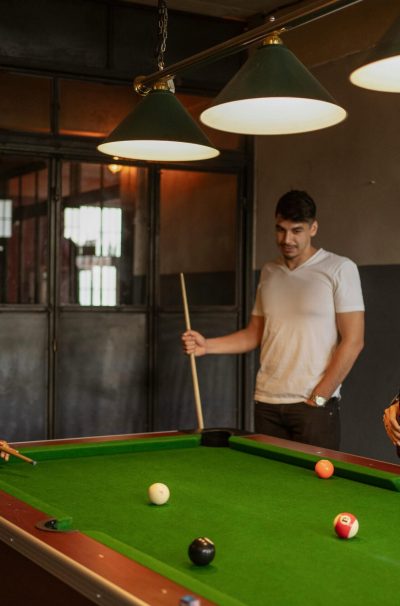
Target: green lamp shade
[273, 94]
[159, 129]
[382, 69]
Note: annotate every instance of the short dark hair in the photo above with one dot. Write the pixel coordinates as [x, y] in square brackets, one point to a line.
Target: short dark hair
[296, 205]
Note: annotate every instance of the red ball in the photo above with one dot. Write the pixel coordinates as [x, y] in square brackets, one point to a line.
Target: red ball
[346, 525]
[324, 469]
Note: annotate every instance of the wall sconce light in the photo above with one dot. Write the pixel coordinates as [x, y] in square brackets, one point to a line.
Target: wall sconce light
[273, 94]
[159, 128]
[114, 168]
[381, 71]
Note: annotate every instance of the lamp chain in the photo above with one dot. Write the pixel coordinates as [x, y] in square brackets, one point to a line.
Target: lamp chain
[162, 33]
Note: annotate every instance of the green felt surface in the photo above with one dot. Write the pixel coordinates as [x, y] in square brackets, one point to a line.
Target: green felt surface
[343, 469]
[271, 521]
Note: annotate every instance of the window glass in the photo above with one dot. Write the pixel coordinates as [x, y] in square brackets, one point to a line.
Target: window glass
[5, 218]
[88, 109]
[93, 109]
[104, 235]
[23, 230]
[198, 218]
[25, 103]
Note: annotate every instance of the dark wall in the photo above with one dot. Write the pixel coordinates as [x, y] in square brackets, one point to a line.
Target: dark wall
[352, 172]
[375, 378]
[23, 375]
[103, 38]
[95, 372]
[352, 169]
[102, 380]
[218, 376]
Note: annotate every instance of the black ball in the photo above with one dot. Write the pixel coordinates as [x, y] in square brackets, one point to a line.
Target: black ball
[201, 551]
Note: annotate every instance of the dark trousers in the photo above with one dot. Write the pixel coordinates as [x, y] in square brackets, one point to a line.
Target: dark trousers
[300, 422]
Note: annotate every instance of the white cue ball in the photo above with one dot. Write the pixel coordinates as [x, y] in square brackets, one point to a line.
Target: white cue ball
[158, 493]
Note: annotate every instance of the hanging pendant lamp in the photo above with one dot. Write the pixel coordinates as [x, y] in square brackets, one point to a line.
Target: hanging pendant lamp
[382, 69]
[159, 129]
[273, 94]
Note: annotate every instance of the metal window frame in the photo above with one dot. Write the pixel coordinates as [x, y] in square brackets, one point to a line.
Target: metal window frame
[56, 149]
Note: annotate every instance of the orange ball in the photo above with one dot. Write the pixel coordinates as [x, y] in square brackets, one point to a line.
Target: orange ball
[324, 469]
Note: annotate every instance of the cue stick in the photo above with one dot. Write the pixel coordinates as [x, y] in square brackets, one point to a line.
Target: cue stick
[4, 447]
[196, 389]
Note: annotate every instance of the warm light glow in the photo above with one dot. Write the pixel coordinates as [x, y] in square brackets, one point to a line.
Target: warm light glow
[173, 151]
[273, 115]
[383, 75]
[114, 168]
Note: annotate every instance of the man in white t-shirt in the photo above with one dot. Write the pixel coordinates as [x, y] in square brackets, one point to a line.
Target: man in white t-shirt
[308, 319]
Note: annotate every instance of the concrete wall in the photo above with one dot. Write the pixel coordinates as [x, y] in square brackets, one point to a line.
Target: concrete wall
[352, 172]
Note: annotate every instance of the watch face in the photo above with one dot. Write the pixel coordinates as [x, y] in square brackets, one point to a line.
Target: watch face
[319, 400]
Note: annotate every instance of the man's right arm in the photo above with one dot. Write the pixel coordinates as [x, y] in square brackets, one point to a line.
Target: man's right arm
[238, 342]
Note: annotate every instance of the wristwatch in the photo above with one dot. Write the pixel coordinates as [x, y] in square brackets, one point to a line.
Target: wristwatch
[319, 401]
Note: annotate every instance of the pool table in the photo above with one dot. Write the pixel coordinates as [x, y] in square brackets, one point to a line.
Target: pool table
[258, 498]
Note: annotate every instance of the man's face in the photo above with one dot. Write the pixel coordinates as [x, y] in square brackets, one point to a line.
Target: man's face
[294, 238]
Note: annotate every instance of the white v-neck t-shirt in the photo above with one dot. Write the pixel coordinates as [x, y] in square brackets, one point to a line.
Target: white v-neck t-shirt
[300, 334]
